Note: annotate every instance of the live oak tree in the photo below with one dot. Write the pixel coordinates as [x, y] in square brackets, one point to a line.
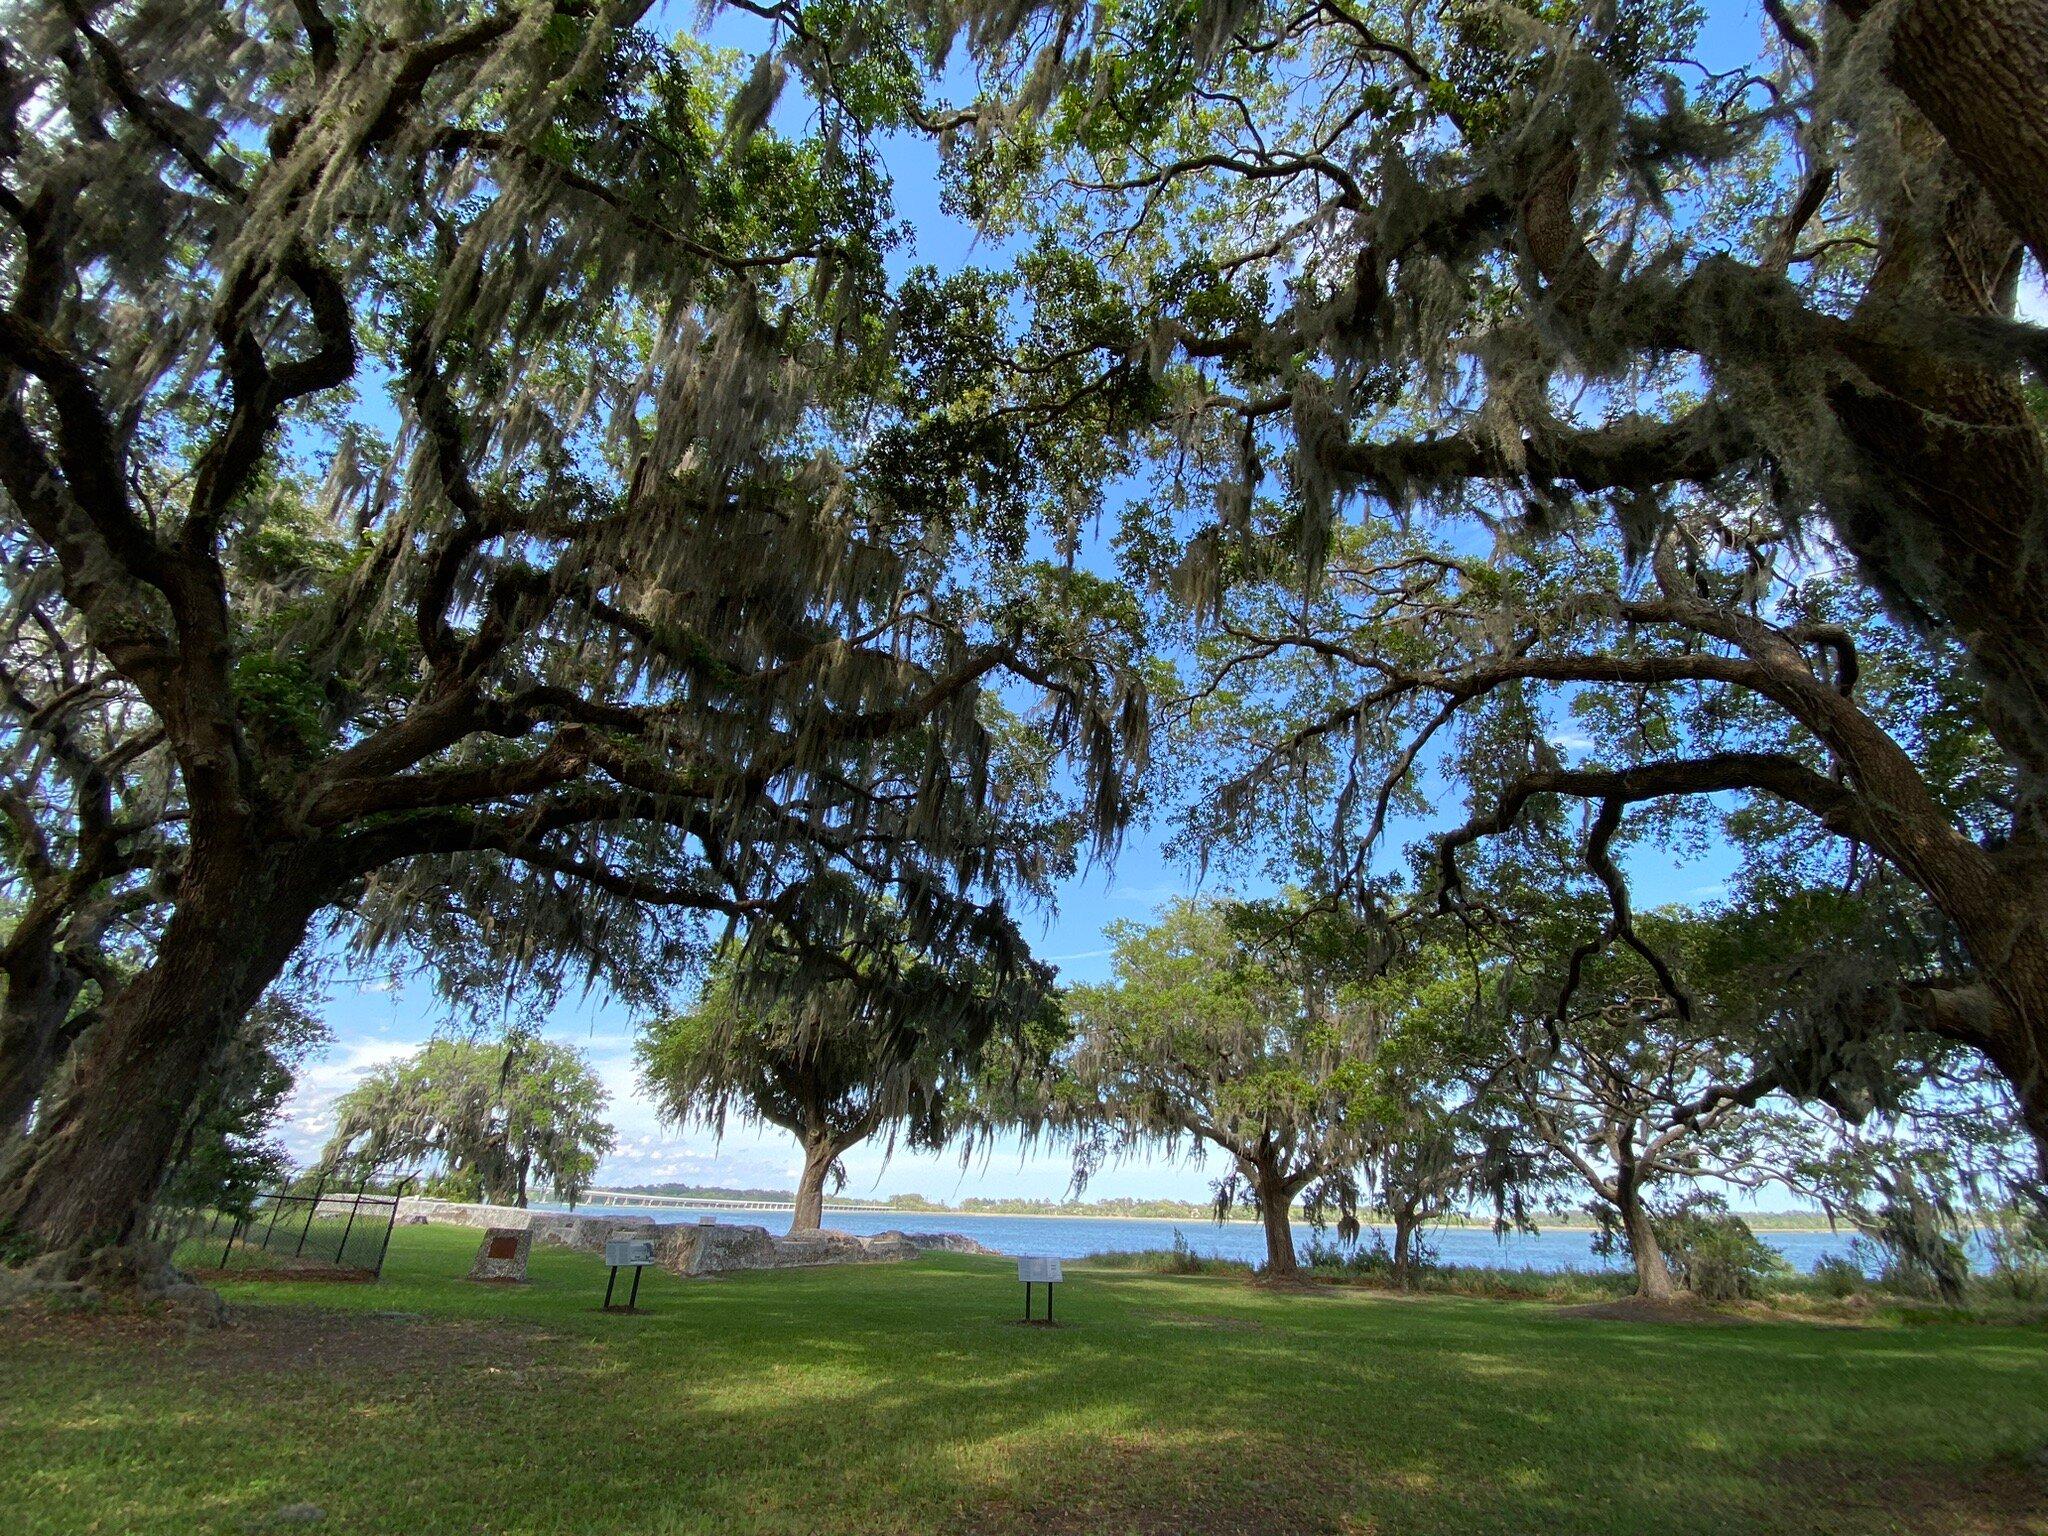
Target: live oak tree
[1206, 1035]
[607, 620]
[1936, 1173]
[1608, 1073]
[884, 1045]
[491, 1120]
[1445, 1137]
[94, 813]
[1530, 272]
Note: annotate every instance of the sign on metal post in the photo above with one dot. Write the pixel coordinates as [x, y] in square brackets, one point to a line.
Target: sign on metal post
[1038, 1271]
[627, 1252]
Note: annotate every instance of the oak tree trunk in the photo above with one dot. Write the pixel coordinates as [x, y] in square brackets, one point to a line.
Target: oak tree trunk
[1978, 70]
[819, 1152]
[1949, 507]
[1275, 1196]
[84, 1182]
[1653, 1275]
[1404, 1247]
[33, 1014]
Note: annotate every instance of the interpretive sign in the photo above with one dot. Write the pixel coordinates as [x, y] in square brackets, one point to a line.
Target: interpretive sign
[634, 1253]
[1038, 1271]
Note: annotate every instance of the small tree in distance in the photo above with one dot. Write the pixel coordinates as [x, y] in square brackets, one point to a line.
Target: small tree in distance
[1618, 1079]
[498, 1116]
[1216, 1030]
[832, 1059]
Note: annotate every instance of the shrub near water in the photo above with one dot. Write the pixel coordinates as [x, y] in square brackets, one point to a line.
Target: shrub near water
[1364, 1263]
[1713, 1254]
[1837, 1277]
[1371, 1264]
[1180, 1259]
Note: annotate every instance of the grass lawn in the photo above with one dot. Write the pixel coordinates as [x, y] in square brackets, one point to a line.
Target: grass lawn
[904, 1398]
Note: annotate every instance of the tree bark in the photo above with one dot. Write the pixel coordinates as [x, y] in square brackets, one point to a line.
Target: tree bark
[1276, 1194]
[46, 964]
[1653, 1275]
[1978, 71]
[819, 1151]
[37, 1006]
[1404, 1246]
[83, 1183]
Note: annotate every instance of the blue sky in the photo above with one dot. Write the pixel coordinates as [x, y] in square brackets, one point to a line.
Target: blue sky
[376, 1020]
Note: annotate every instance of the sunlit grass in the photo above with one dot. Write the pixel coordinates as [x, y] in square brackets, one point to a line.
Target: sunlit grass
[905, 1398]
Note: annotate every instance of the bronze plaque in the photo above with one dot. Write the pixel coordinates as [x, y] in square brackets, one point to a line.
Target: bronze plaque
[504, 1248]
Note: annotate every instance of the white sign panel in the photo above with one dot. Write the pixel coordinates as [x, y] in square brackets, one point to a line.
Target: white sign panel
[1038, 1271]
[631, 1250]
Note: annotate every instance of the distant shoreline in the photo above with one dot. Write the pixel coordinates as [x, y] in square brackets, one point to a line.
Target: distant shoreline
[1469, 1224]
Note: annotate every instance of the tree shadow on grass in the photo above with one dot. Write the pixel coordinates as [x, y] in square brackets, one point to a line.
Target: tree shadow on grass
[904, 1400]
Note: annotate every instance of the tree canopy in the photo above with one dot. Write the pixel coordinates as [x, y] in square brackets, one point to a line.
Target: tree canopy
[1511, 361]
[616, 616]
[1204, 1035]
[489, 1120]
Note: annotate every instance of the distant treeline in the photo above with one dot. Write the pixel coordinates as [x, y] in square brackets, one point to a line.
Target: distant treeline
[1167, 1210]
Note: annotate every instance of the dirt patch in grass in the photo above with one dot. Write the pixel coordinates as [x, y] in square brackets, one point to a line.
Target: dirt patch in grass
[1689, 1310]
[2006, 1497]
[266, 1339]
[1298, 1285]
[116, 1322]
[309, 1272]
[1379, 1290]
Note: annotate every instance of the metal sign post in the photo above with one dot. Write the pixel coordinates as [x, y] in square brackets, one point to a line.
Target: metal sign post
[622, 1253]
[1045, 1272]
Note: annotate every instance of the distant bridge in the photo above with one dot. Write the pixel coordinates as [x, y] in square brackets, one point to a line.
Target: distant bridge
[706, 1203]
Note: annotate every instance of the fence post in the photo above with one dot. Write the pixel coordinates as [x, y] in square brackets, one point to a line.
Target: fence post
[311, 1211]
[390, 1221]
[341, 1254]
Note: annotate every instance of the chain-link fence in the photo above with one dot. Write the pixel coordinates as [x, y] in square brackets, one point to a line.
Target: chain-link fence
[321, 1231]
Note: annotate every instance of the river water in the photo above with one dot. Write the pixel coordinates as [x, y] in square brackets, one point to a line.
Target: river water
[1555, 1249]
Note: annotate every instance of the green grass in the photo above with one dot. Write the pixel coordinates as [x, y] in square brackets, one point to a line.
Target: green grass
[902, 1398]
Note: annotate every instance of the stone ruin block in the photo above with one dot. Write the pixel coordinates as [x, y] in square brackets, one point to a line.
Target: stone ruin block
[716, 1250]
[711, 1250]
[890, 1247]
[502, 1255]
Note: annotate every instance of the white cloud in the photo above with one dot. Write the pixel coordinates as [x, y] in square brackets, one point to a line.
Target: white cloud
[309, 1112]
